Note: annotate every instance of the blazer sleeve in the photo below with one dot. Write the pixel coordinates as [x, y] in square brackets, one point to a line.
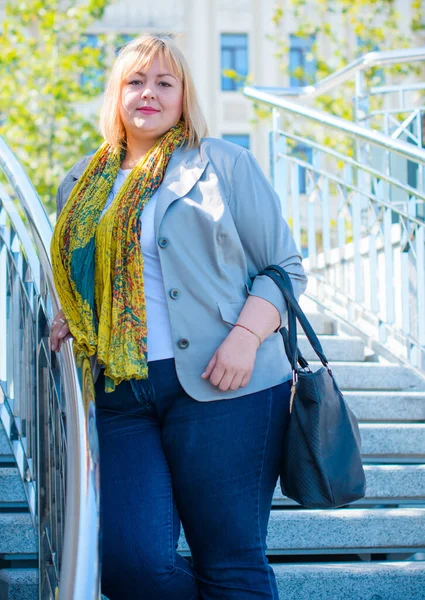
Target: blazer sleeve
[59, 201]
[68, 182]
[264, 234]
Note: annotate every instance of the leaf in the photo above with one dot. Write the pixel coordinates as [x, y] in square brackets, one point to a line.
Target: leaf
[42, 61]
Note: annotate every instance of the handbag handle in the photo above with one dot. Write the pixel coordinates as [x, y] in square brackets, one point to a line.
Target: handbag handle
[290, 335]
[282, 280]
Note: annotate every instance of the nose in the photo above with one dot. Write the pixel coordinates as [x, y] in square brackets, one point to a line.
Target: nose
[147, 93]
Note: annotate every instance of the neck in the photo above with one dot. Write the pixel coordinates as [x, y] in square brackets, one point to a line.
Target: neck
[136, 150]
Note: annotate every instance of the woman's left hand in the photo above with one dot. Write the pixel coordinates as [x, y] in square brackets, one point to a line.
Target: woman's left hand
[232, 364]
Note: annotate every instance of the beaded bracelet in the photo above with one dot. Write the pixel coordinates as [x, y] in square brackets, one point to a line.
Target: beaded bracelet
[250, 331]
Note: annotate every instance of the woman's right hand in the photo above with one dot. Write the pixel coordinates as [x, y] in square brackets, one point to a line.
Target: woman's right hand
[59, 331]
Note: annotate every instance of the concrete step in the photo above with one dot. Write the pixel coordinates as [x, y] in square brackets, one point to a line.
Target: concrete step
[397, 440]
[19, 584]
[374, 376]
[321, 324]
[387, 406]
[393, 483]
[351, 581]
[5, 447]
[11, 486]
[343, 530]
[17, 534]
[335, 347]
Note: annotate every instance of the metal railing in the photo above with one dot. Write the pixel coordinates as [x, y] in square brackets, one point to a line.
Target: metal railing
[401, 114]
[46, 400]
[359, 225]
[350, 71]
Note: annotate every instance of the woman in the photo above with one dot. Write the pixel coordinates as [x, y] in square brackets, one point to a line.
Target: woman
[156, 254]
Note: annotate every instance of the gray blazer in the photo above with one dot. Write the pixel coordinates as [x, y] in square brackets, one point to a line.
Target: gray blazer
[218, 223]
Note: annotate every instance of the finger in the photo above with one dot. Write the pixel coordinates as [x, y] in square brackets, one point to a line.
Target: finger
[63, 331]
[226, 381]
[246, 378]
[54, 329]
[236, 382]
[63, 340]
[210, 367]
[54, 337]
[217, 374]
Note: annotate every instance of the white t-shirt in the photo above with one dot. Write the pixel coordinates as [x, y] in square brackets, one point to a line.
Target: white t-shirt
[160, 341]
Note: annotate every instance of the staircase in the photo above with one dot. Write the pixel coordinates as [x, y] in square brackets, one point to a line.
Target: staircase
[360, 225]
[18, 541]
[372, 550]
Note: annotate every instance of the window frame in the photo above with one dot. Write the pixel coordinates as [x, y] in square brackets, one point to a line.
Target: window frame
[227, 84]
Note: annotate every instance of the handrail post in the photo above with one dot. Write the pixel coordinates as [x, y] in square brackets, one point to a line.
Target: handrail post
[371, 253]
[279, 168]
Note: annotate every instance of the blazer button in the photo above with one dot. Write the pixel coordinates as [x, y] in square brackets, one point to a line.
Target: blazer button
[174, 293]
[183, 344]
[163, 242]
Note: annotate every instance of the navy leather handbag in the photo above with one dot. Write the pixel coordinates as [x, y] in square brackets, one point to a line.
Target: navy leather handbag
[321, 465]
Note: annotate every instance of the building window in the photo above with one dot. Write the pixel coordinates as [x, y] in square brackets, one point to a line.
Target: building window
[93, 76]
[302, 65]
[242, 139]
[234, 57]
[305, 153]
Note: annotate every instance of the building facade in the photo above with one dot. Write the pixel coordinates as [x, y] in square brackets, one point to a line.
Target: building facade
[214, 35]
[218, 35]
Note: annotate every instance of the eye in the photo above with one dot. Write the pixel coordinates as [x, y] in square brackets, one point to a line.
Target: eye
[165, 83]
[134, 82]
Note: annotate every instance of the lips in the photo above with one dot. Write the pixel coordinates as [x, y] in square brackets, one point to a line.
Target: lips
[148, 110]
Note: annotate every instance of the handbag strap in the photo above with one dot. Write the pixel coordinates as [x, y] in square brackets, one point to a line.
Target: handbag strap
[282, 280]
[290, 335]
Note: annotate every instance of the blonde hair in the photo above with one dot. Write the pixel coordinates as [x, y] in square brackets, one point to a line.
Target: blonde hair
[139, 55]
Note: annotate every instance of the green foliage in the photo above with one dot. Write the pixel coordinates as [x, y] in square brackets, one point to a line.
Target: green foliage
[374, 23]
[43, 57]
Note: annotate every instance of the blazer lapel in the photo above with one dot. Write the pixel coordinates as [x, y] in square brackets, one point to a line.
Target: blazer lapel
[183, 171]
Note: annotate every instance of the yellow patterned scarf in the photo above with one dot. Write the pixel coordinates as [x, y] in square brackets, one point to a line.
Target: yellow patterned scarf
[98, 263]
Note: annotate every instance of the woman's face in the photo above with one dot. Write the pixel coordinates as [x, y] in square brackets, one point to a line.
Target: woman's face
[158, 89]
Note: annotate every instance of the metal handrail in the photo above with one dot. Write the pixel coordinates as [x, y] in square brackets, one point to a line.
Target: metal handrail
[360, 133]
[367, 200]
[371, 59]
[79, 575]
[350, 186]
[353, 163]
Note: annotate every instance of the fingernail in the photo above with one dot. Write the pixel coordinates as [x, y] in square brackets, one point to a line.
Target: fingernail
[204, 374]
[61, 334]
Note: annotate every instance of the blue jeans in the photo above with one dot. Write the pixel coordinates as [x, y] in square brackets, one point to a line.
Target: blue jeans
[166, 460]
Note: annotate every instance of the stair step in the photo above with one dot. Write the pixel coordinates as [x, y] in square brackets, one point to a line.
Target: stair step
[11, 486]
[387, 406]
[394, 482]
[401, 440]
[19, 584]
[17, 534]
[374, 376]
[5, 447]
[351, 581]
[335, 347]
[321, 324]
[344, 530]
